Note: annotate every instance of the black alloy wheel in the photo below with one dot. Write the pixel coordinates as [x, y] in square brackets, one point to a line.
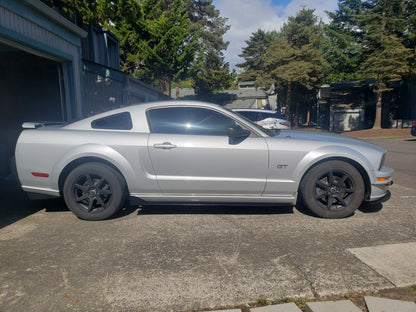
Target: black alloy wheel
[332, 189]
[94, 191]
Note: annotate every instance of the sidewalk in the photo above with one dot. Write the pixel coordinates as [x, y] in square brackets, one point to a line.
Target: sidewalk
[379, 133]
[373, 304]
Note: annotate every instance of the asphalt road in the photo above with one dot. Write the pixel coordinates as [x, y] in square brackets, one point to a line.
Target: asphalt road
[176, 258]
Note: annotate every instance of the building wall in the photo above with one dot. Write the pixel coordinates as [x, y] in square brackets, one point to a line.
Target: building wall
[41, 76]
[106, 88]
[31, 26]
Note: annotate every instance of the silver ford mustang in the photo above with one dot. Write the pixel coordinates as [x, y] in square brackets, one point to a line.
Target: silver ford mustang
[194, 152]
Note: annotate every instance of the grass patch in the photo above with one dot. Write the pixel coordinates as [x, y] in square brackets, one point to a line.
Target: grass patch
[262, 301]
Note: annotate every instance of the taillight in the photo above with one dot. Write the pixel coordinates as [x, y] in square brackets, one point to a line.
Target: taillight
[414, 124]
[285, 124]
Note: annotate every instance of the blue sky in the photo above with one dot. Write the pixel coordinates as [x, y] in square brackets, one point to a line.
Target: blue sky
[281, 2]
[247, 16]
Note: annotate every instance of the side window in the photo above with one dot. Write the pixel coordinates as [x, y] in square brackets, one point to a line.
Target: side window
[189, 120]
[121, 121]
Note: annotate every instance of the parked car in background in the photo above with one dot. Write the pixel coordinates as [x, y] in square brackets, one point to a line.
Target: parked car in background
[195, 152]
[413, 130]
[268, 119]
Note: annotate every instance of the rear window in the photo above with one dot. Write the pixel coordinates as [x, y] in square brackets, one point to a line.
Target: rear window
[121, 121]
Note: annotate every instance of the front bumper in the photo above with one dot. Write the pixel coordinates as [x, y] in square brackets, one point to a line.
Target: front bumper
[383, 199]
[379, 188]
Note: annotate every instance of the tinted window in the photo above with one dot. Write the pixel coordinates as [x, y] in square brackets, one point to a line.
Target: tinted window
[264, 115]
[254, 116]
[120, 121]
[189, 120]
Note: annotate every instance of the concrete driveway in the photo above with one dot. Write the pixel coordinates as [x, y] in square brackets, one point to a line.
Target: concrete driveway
[177, 258]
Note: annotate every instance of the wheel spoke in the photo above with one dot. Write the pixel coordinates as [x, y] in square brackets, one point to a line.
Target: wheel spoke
[343, 179]
[81, 187]
[321, 195]
[341, 200]
[322, 185]
[329, 202]
[90, 204]
[101, 202]
[81, 198]
[346, 190]
[106, 192]
[90, 182]
[330, 177]
[100, 183]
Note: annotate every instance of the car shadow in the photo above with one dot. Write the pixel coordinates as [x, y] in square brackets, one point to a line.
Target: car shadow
[213, 209]
[370, 208]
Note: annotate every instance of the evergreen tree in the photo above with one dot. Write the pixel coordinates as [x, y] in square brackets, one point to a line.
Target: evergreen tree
[210, 72]
[169, 52]
[387, 58]
[254, 57]
[296, 58]
[342, 41]
[410, 32]
[126, 20]
[80, 12]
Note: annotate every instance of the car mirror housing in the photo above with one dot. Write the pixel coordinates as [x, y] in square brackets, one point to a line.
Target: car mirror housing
[238, 133]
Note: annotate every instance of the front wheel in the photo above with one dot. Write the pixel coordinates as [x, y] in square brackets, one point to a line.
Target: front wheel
[94, 191]
[332, 189]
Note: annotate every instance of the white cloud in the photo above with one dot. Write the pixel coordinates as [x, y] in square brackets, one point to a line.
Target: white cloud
[247, 16]
[318, 5]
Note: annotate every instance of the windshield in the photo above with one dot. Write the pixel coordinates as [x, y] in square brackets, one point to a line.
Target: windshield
[269, 132]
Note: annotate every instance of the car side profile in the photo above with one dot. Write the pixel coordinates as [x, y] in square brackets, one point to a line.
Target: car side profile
[196, 152]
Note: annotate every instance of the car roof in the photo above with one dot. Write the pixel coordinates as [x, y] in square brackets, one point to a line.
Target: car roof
[137, 109]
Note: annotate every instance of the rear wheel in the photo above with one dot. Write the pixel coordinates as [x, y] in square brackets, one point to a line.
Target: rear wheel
[332, 189]
[94, 191]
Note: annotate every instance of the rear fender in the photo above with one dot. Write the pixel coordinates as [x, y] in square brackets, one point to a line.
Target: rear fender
[97, 151]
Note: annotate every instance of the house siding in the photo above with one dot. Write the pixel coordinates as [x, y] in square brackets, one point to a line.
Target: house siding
[33, 27]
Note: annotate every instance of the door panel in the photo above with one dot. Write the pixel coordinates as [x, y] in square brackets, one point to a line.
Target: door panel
[208, 165]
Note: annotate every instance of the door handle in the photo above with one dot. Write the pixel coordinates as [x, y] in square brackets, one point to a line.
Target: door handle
[164, 145]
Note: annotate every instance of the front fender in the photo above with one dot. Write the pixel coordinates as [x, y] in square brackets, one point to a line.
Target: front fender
[332, 152]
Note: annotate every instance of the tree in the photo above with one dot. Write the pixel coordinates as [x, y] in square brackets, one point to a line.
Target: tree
[212, 75]
[210, 72]
[387, 58]
[126, 20]
[296, 57]
[342, 41]
[254, 57]
[80, 12]
[160, 40]
[169, 52]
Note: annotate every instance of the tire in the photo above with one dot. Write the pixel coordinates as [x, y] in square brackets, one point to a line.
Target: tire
[94, 191]
[333, 189]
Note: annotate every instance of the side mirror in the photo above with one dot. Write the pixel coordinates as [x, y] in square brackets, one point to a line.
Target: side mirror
[237, 132]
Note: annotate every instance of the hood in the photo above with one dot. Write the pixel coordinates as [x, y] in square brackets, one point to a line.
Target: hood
[328, 137]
